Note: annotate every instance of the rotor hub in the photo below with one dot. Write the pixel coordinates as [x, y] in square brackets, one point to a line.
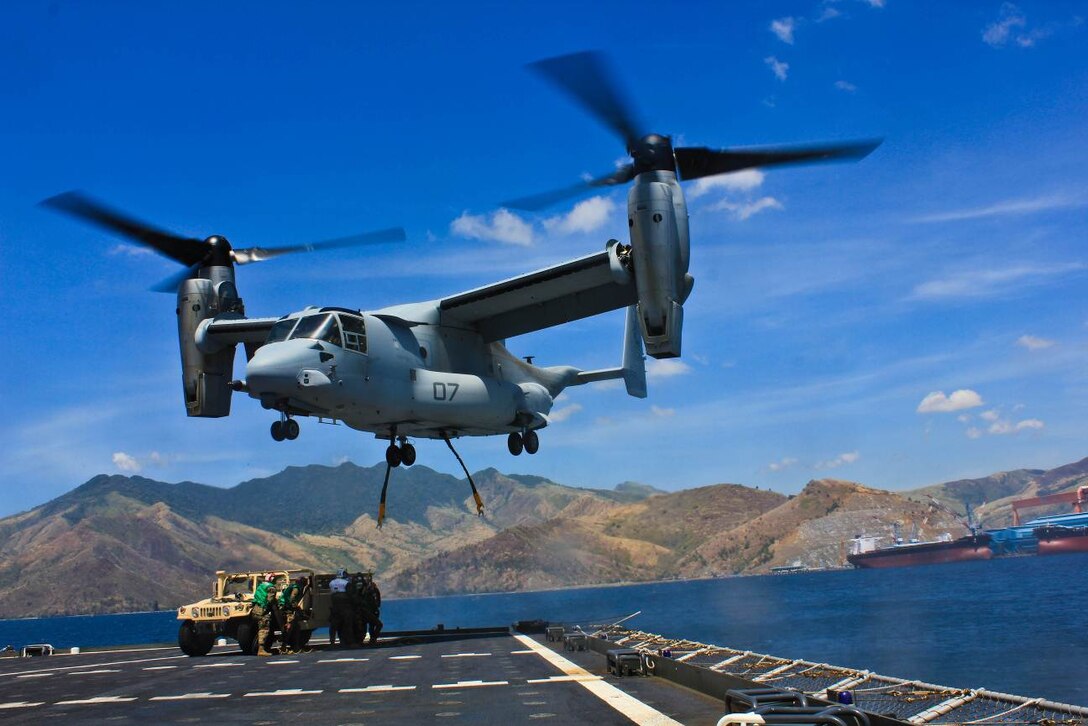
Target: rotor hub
[218, 252]
[653, 152]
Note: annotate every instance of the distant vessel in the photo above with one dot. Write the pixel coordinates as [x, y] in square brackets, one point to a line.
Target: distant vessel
[865, 554]
[1055, 539]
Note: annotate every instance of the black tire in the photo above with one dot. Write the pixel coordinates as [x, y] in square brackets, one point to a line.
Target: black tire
[246, 635]
[408, 454]
[193, 643]
[514, 444]
[392, 456]
[290, 429]
[531, 441]
[277, 430]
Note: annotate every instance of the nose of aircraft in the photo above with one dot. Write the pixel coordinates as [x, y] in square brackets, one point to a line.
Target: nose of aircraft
[274, 368]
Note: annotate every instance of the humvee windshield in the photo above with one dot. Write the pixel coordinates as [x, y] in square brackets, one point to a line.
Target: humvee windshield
[237, 585]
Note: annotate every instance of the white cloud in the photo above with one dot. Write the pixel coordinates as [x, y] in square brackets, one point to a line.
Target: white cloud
[562, 414]
[738, 181]
[974, 432]
[783, 28]
[780, 69]
[991, 415]
[662, 412]
[1033, 343]
[840, 460]
[658, 369]
[1010, 207]
[340, 460]
[744, 210]
[586, 216]
[1012, 25]
[1003, 426]
[125, 462]
[985, 283]
[846, 86]
[502, 226]
[963, 417]
[937, 402]
[874, 3]
[130, 250]
[783, 464]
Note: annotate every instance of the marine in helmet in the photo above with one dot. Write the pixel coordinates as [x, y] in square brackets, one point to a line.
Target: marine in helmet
[340, 615]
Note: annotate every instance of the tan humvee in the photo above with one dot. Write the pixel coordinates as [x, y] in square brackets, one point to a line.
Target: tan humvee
[230, 611]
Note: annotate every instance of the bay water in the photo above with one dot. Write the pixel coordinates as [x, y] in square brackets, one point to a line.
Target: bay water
[1016, 625]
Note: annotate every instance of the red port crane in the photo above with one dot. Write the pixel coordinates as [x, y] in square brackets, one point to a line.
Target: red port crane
[1078, 499]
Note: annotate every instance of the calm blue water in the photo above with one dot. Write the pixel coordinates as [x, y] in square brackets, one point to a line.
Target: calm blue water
[1013, 625]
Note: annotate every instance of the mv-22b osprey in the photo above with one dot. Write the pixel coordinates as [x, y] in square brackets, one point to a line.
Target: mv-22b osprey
[440, 369]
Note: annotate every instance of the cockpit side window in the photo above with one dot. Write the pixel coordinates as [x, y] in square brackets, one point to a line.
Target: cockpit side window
[281, 330]
[319, 327]
[354, 333]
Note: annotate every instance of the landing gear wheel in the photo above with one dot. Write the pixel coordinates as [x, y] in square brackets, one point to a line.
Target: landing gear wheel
[277, 431]
[407, 454]
[392, 456]
[290, 429]
[515, 444]
[531, 441]
[192, 642]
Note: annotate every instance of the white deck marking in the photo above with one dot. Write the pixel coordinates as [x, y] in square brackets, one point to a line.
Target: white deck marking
[20, 704]
[86, 665]
[97, 699]
[377, 689]
[522, 652]
[190, 696]
[280, 662]
[405, 657]
[343, 660]
[466, 655]
[565, 679]
[158, 668]
[228, 664]
[91, 673]
[35, 675]
[283, 692]
[625, 703]
[469, 684]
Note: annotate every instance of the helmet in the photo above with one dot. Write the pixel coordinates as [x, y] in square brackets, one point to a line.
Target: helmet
[341, 572]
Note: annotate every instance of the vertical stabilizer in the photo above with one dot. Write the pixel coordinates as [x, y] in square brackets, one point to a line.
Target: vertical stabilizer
[634, 365]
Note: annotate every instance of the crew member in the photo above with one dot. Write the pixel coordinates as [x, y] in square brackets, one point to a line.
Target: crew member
[291, 610]
[371, 602]
[264, 597]
[340, 617]
[358, 619]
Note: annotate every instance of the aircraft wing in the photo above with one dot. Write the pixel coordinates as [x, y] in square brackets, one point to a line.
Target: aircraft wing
[568, 291]
[228, 331]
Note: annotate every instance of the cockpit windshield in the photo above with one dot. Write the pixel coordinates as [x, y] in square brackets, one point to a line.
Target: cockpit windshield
[319, 327]
[281, 330]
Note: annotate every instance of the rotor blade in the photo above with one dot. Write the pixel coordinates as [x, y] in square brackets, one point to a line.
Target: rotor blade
[259, 254]
[586, 78]
[186, 250]
[539, 201]
[171, 283]
[698, 161]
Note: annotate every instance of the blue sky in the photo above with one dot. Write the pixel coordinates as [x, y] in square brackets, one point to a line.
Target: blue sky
[914, 318]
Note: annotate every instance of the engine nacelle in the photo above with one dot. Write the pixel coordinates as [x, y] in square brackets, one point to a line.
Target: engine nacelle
[205, 377]
[657, 215]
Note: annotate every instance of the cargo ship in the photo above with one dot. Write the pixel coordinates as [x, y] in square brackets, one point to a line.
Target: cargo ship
[906, 554]
[1056, 539]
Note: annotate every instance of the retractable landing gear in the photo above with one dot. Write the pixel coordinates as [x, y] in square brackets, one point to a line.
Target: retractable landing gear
[402, 453]
[285, 428]
[528, 442]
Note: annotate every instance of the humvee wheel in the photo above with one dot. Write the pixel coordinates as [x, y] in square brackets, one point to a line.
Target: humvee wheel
[193, 643]
[246, 635]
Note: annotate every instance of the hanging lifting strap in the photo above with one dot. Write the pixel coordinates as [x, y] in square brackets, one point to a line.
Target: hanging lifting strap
[475, 494]
[385, 487]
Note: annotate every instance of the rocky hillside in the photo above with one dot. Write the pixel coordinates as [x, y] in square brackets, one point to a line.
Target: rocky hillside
[128, 543]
